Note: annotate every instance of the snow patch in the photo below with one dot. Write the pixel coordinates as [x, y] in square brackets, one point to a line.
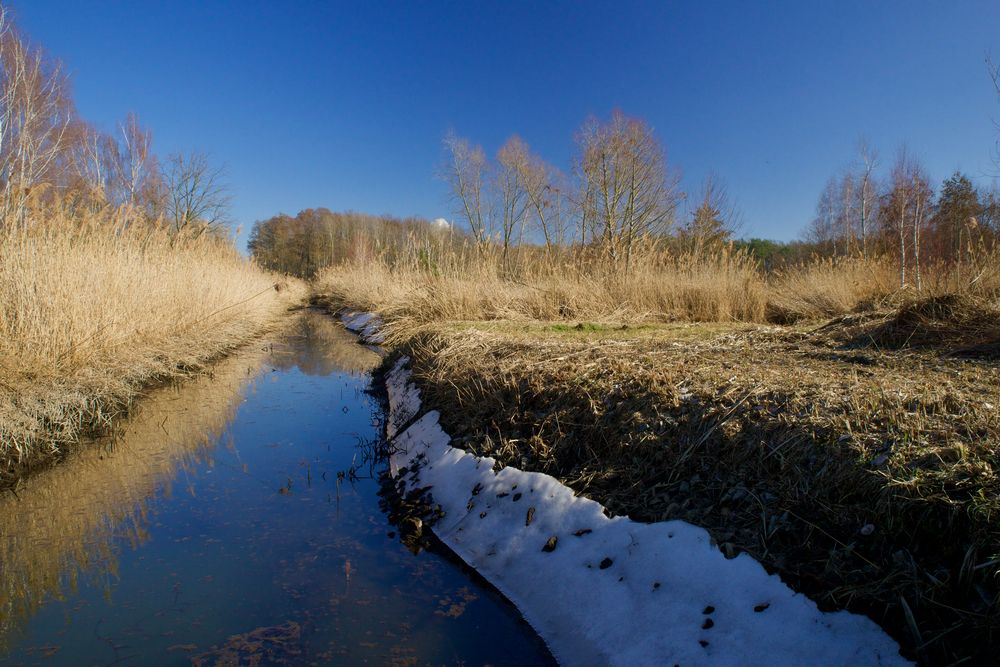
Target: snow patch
[612, 591]
[367, 325]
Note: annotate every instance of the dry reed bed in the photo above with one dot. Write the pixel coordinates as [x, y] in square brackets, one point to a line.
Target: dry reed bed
[659, 287]
[96, 306]
[722, 286]
[867, 478]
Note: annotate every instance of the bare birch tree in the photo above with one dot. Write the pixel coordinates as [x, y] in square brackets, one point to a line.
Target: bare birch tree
[867, 192]
[910, 200]
[133, 162]
[36, 115]
[466, 173]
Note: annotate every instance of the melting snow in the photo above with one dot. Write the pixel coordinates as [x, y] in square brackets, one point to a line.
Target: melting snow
[612, 591]
[366, 325]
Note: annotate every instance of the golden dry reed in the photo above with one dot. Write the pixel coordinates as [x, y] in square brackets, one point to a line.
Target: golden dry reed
[725, 286]
[434, 282]
[96, 305]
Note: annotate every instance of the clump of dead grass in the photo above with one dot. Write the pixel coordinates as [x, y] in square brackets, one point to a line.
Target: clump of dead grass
[828, 287]
[957, 324]
[96, 305]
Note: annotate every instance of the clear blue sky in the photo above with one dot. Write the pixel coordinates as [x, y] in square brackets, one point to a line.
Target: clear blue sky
[344, 105]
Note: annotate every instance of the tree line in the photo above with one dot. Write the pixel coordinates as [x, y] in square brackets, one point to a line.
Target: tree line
[898, 213]
[620, 198]
[317, 238]
[48, 152]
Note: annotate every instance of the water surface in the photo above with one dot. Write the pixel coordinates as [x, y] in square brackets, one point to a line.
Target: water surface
[214, 528]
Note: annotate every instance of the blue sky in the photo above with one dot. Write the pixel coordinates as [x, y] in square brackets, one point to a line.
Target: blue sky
[344, 105]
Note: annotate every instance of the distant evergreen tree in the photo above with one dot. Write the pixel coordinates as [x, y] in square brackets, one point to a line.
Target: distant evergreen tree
[711, 223]
[958, 208]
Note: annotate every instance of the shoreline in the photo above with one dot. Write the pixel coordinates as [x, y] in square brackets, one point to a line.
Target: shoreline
[98, 412]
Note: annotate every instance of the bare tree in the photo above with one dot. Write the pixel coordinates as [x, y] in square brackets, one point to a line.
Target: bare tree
[134, 165]
[36, 115]
[909, 201]
[868, 193]
[627, 193]
[543, 184]
[197, 197]
[845, 212]
[91, 163]
[993, 69]
[823, 230]
[511, 192]
[466, 173]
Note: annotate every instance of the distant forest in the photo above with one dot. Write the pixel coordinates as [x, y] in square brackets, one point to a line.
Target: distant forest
[317, 237]
[623, 200]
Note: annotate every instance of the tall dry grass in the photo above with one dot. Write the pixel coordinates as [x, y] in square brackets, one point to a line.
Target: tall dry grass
[828, 287]
[659, 287]
[428, 283]
[95, 306]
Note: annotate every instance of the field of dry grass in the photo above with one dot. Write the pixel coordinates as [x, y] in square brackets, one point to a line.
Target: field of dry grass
[659, 288]
[430, 285]
[94, 307]
[842, 431]
[866, 477]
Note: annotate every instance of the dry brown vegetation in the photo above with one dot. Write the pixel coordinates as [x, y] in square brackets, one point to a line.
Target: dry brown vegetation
[661, 287]
[866, 477]
[838, 428]
[97, 305]
[430, 283]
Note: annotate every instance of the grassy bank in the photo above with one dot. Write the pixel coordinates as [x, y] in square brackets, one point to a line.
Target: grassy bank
[867, 478]
[97, 306]
[853, 451]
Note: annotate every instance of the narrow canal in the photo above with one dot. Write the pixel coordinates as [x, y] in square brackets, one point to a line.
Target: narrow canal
[235, 520]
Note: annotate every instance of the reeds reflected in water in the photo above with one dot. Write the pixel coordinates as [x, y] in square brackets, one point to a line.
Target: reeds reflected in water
[63, 524]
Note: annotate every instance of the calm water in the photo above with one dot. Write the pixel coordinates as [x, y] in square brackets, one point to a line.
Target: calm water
[213, 529]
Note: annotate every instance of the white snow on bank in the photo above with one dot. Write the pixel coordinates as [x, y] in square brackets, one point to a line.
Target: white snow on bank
[613, 591]
[366, 325]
